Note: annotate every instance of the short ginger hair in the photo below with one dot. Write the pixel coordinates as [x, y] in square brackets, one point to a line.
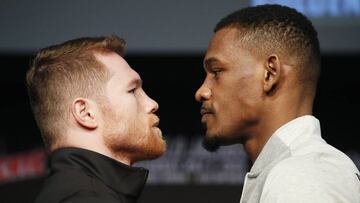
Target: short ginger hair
[61, 73]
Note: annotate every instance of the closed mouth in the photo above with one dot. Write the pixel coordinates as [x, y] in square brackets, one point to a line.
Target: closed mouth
[205, 110]
[156, 123]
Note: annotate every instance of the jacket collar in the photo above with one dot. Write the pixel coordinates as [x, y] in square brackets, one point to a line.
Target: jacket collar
[121, 178]
[278, 146]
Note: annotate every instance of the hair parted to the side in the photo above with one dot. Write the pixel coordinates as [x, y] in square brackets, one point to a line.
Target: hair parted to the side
[269, 29]
[63, 72]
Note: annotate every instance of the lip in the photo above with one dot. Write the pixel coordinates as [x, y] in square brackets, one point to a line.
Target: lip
[156, 123]
[204, 111]
[205, 117]
[159, 133]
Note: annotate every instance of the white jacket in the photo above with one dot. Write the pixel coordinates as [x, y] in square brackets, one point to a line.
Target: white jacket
[297, 165]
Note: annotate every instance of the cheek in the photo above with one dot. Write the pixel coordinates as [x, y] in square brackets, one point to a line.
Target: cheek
[249, 90]
[238, 104]
[126, 105]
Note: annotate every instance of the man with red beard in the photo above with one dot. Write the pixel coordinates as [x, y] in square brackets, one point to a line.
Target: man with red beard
[95, 120]
[262, 68]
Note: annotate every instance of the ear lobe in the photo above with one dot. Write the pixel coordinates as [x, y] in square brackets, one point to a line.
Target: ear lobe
[272, 73]
[83, 112]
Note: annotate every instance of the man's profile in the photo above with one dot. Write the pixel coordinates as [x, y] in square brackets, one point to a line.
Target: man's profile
[262, 68]
[95, 120]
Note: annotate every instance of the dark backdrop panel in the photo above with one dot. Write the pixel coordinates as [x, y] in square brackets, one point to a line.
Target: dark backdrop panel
[337, 102]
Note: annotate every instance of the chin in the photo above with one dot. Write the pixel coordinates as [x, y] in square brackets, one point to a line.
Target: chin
[211, 144]
[151, 152]
[158, 153]
[155, 148]
[222, 138]
[159, 148]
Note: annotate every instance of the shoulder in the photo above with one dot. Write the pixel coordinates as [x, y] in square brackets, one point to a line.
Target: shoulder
[315, 171]
[317, 154]
[66, 184]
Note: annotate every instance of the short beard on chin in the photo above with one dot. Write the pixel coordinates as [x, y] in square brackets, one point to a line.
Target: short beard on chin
[151, 149]
[211, 144]
[148, 149]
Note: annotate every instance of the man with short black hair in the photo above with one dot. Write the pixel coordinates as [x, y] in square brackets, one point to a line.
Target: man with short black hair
[262, 68]
[95, 120]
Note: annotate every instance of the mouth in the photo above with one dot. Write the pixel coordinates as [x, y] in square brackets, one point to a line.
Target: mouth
[156, 123]
[205, 110]
[205, 113]
[155, 126]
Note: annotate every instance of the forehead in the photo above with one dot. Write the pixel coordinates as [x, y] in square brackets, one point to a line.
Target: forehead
[117, 67]
[226, 47]
[223, 42]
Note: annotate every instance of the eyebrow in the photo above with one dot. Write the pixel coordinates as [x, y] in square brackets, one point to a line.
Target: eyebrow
[136, 81]
[209, 61]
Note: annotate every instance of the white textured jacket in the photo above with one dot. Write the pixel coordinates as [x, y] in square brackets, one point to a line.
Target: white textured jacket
[297, 165]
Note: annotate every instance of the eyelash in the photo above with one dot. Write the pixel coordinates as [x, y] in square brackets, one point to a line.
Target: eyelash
[132, 90]
[216, 72]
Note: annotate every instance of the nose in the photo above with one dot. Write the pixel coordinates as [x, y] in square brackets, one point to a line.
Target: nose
[203, 93]
[152, 106]
[155, 106]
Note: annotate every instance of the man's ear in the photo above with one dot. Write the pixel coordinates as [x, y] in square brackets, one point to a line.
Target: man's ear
[84, 113]
[272, 73]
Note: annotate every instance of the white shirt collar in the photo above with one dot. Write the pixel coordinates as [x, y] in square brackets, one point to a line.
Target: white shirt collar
[302, 126]
[277, 147]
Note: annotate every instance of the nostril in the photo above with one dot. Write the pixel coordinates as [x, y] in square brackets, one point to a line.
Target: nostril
[198, 96]
[203, 94]
[155, 106]
[206, 94]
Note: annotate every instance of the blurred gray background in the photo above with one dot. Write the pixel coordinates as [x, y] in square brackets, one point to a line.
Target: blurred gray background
[161, 26]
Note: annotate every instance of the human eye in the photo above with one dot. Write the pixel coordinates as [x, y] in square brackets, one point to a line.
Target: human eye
[132, 91]
[216, 72]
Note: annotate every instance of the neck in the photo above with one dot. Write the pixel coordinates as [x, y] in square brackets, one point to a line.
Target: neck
[93, 143]
[272, 119]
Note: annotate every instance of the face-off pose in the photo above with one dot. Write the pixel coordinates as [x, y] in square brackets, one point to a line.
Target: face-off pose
[95, 120]
[262, 67]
